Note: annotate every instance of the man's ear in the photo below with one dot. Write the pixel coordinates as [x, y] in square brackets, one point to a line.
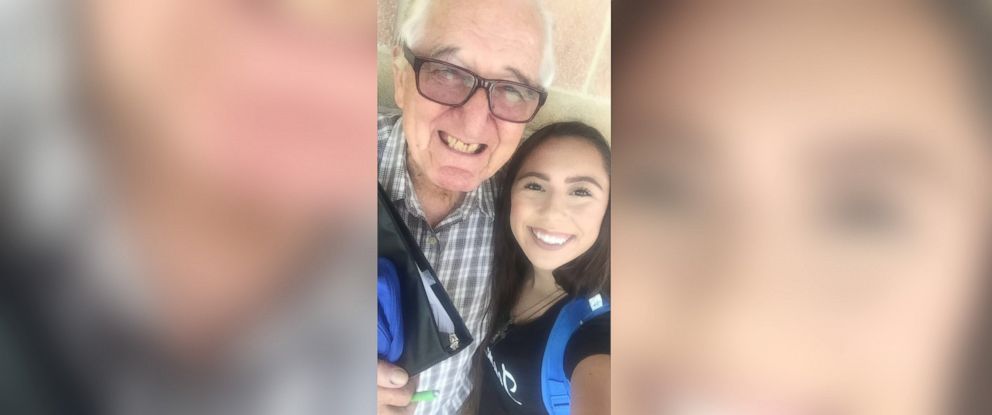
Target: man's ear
[399, 78]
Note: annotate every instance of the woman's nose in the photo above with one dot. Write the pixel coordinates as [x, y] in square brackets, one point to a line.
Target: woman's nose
[553, 206]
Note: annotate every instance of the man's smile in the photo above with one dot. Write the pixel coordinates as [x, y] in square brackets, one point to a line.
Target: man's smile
[456, 144]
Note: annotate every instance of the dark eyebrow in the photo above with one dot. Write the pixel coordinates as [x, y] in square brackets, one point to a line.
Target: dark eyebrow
[573, 179]
[587, 179]
[541, 176]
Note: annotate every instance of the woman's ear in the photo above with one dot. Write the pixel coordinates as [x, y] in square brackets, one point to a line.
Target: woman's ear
[399, 76]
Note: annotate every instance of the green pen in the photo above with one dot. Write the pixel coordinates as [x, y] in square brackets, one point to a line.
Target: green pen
[424, 396]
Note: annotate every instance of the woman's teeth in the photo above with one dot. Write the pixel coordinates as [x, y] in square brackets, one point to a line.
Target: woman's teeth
[455, 144]
[550, 239]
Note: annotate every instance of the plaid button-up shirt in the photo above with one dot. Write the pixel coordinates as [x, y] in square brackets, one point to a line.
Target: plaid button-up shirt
[460, 248]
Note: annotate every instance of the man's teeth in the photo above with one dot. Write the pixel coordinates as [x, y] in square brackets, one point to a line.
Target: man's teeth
[462, 147]
[550, 239]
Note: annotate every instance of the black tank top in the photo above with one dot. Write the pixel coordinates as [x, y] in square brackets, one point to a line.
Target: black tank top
[511, 367]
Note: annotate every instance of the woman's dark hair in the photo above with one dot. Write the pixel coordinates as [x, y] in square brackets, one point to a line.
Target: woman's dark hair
[586, 275]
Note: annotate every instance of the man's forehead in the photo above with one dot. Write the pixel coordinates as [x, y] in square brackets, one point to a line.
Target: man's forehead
[494, 15]
[495, 36]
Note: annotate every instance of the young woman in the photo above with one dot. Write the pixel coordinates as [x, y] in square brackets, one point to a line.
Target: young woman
[552, 249]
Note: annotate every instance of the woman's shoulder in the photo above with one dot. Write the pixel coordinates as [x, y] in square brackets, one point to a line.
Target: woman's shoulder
[592, 338]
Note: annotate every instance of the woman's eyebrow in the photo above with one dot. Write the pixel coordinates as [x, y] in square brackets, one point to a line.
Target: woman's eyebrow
[541, 176]
[587, 179]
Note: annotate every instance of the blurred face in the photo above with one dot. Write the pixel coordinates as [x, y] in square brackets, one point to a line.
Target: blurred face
[457, 148]
[259, 101]
[558, 201]
[806, 204]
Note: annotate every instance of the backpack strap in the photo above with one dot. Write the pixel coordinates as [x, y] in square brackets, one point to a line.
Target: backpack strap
[555, 386]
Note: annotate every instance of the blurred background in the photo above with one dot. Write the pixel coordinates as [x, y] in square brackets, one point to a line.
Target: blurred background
[801, 213]
[186, 191]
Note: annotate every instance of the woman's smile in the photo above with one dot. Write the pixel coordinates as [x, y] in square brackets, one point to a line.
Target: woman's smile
[550, 240]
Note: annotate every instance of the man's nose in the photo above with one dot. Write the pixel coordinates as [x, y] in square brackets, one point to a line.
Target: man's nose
[475, 113]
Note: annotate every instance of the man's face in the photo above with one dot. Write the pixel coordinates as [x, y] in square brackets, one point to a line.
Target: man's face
[812, 187]
[497, 40]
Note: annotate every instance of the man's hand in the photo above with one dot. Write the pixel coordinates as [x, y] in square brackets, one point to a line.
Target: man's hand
[395, 390]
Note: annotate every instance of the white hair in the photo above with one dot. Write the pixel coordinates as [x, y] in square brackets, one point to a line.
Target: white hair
[412, 17]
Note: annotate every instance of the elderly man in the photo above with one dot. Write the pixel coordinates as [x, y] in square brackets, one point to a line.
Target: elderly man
[468, 76]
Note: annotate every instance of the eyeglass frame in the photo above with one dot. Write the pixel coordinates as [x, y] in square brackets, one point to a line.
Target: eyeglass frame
[480, 82]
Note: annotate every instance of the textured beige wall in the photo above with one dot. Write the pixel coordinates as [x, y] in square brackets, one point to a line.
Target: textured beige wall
[581, 90]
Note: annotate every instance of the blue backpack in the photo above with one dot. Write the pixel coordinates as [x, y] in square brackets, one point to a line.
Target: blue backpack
[555, 387]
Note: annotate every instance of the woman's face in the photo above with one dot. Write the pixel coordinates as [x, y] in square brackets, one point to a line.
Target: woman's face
[557, 201]
[804, 206]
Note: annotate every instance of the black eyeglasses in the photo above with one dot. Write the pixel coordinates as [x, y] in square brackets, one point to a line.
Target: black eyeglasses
[449, 84]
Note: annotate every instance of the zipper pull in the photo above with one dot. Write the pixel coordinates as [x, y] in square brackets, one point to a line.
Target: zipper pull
[453, 341]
